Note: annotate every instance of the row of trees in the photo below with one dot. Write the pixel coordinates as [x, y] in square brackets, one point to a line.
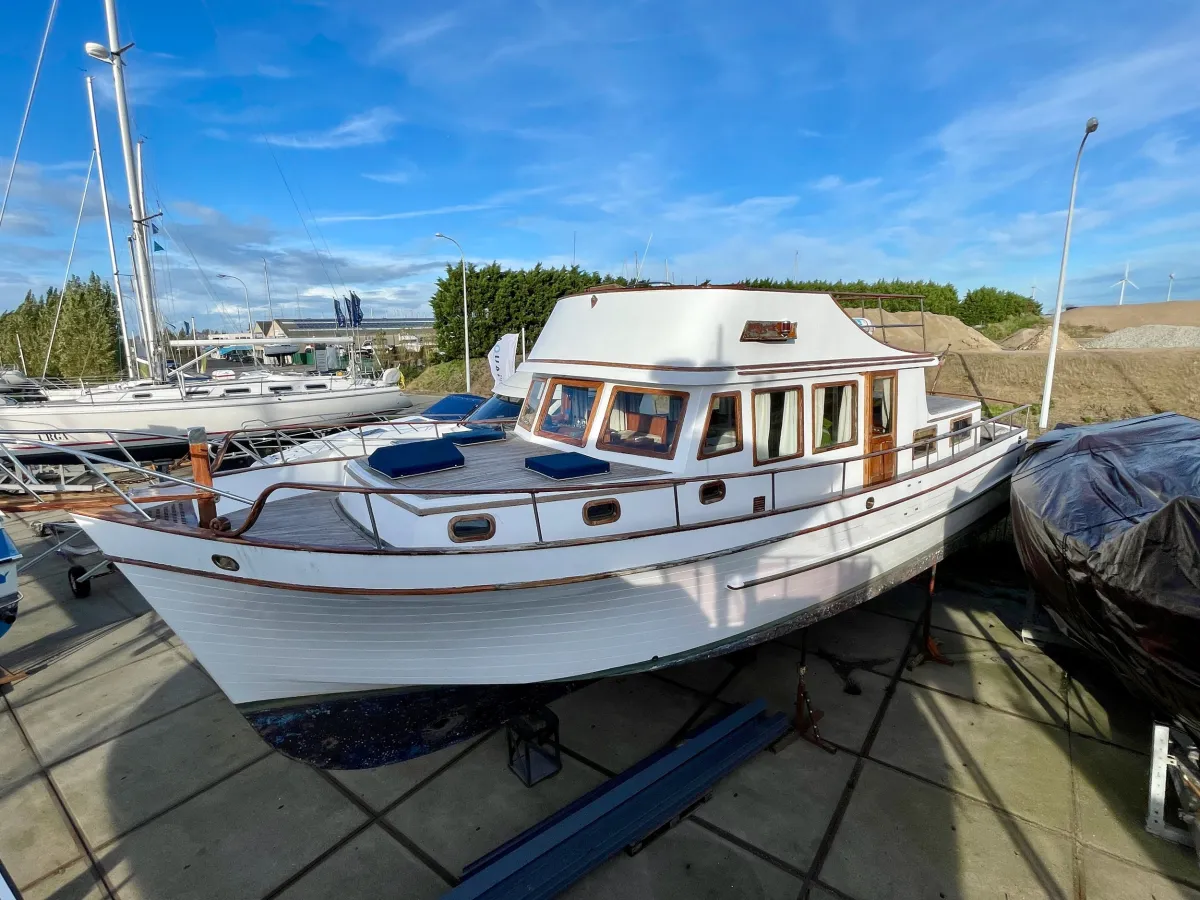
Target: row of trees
[502, 301]
[87, 341]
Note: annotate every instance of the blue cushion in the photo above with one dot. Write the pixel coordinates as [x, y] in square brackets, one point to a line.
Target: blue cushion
[415, 458]
[475, 436]
[566, 465]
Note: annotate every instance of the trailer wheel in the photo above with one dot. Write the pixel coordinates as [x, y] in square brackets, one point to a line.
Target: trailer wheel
[79, 588]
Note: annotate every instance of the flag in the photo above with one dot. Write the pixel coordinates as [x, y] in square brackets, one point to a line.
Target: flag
[185, 329]
[153, 228]
[157, 246]
[356, 315]
[503, 358]
[337, 311]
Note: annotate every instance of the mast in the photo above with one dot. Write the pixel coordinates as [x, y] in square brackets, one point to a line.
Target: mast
[130, 361]
[113, 55]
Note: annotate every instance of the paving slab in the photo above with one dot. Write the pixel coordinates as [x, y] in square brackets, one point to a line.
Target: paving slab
[1013, 763]
[35, 836]
[98, 652]
[42, 633]
[781, 802]
[859, 637]
[478, 804]
[1024, 681]
[903, 838]
[112, 788]
[241, 838]
[1111, 787]
[382, 786]
[76, 881]
[371, 865]
[1102, 708]
[687, 862]
[848, 697]
[1106, 878]
[618, 721]
[95, 710]
[905, 601]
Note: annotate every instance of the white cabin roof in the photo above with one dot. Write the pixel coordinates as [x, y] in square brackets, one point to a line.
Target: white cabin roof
[699, 330]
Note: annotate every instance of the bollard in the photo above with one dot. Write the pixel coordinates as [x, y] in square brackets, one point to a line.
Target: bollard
[206, 505]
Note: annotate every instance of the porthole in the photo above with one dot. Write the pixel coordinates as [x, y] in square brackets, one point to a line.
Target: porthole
[712, 492]
[476, 527]
[870, 503]
[601, 512]
[228, 563]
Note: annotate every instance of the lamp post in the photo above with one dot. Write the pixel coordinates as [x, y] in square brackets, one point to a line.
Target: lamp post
[466, 337]
[249, 315]
[1044, 417]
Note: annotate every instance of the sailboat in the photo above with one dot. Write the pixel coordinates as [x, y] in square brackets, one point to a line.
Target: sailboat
[693, 471]
[154, 414]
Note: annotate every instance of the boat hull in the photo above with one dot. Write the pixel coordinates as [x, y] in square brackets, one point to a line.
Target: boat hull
[311, 669]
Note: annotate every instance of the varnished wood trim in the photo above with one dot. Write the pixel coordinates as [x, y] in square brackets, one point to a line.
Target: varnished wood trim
[799, 389]
[868, 420]
[817, 415]
[491, 532]
[555, 582]
[607, 520]
[537, 409]
[545, 407]
[737, 419]
[770, 368]
[615, 389]
[617, 365]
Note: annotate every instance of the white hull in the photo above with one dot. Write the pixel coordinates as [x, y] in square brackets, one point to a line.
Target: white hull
[671, 596]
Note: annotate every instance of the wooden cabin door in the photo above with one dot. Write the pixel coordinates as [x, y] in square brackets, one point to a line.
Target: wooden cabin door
[881, 427]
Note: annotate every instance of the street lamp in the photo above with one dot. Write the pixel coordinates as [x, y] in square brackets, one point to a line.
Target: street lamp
[1044, 417]
[249, 315]
[466, 337]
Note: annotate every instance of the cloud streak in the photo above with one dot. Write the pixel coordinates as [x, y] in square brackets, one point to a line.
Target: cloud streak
[371, 127]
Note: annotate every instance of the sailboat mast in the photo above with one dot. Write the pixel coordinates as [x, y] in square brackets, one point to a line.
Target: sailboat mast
[130, 360]
[141, 253]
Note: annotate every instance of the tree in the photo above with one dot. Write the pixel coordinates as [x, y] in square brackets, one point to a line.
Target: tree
[989, 304]
[87, 339]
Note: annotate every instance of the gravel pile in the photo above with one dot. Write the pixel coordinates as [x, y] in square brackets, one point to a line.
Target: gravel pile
[1149, 336]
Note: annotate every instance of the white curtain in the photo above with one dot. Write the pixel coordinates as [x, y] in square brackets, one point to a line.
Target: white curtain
[845, 421]
[762, 426]
[886, 398]
[789, 436]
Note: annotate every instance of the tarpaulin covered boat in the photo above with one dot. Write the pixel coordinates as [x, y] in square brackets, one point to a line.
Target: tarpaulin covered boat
[1107, 523]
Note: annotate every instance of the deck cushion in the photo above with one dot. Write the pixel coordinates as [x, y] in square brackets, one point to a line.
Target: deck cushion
[415, 458]
[476, 436]
[566, 465]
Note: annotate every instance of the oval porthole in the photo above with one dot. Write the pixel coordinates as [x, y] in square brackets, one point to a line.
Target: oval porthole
[228, 563]
[601, 512]
[870, 502]
[478, 527]
[712, 492]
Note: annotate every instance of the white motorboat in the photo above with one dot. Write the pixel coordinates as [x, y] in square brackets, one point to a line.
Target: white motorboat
[694, 470]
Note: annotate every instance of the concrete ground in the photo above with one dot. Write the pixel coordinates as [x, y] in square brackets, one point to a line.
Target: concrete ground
[125, 773]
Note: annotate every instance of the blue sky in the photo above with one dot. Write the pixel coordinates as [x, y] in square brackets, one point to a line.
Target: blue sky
[840, 138]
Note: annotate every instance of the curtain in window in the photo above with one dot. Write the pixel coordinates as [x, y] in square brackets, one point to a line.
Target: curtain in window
[887, 403]
[845, 419]
[762, 426]
[790, 430]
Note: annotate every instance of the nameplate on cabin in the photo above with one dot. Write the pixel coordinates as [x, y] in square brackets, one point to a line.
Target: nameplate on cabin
[769, 331]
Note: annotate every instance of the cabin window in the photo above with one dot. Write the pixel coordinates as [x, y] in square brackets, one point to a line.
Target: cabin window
[231, 391]
[280, 388]
[712, 492]
[836, 417]
[477, 527]
[723, 433]
[568, 409]
[532, 401]
[881, 404]
[601, 512]
[643, 422]
[778, 425]
[960, 430]
[924, 442]
[142, 396]
[199, 392]
[316, 387]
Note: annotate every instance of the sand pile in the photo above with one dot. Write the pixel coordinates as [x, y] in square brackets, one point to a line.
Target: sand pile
[941, 332]
[1114, 318]
[1038, 339]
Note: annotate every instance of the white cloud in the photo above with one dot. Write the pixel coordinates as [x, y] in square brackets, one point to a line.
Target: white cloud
[371, 127]
[412, 34]
[837, 183]
[406, 214]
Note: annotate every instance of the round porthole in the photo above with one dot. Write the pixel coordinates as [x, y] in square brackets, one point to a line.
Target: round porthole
[870, 502]
[228, 563]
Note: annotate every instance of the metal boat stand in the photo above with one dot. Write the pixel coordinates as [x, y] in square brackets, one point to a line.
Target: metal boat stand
[805, 720]
[929, 651]
[1174, 756]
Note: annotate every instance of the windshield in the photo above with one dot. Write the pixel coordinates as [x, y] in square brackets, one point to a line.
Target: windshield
[496, 408]
[453, 407]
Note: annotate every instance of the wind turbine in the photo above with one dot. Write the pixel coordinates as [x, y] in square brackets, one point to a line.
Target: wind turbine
[1170, 284]
[1124, 281]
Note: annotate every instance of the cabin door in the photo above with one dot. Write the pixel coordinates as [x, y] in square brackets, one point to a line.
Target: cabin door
[881, 427]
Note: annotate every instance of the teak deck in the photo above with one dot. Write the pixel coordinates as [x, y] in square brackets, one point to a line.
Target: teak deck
[312, 519]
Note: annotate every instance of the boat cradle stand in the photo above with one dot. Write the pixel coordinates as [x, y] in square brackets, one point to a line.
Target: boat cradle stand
[929, 651]
[1174, 757]
[624, 812]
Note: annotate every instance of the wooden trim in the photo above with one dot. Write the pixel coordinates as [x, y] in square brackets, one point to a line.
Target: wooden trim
[554, 582]
[869, 436]
[750, 369]
[537, 378]
[617, 365]
[491, 532]
[799, 389]
[924, 440]
[613, 390]
[607, 520]
[718, 483]
[545, 406]
[737, 420]
[964, 432]
[817, 413]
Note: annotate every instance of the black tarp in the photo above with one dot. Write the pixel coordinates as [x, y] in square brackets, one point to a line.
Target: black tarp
[1107, 523]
